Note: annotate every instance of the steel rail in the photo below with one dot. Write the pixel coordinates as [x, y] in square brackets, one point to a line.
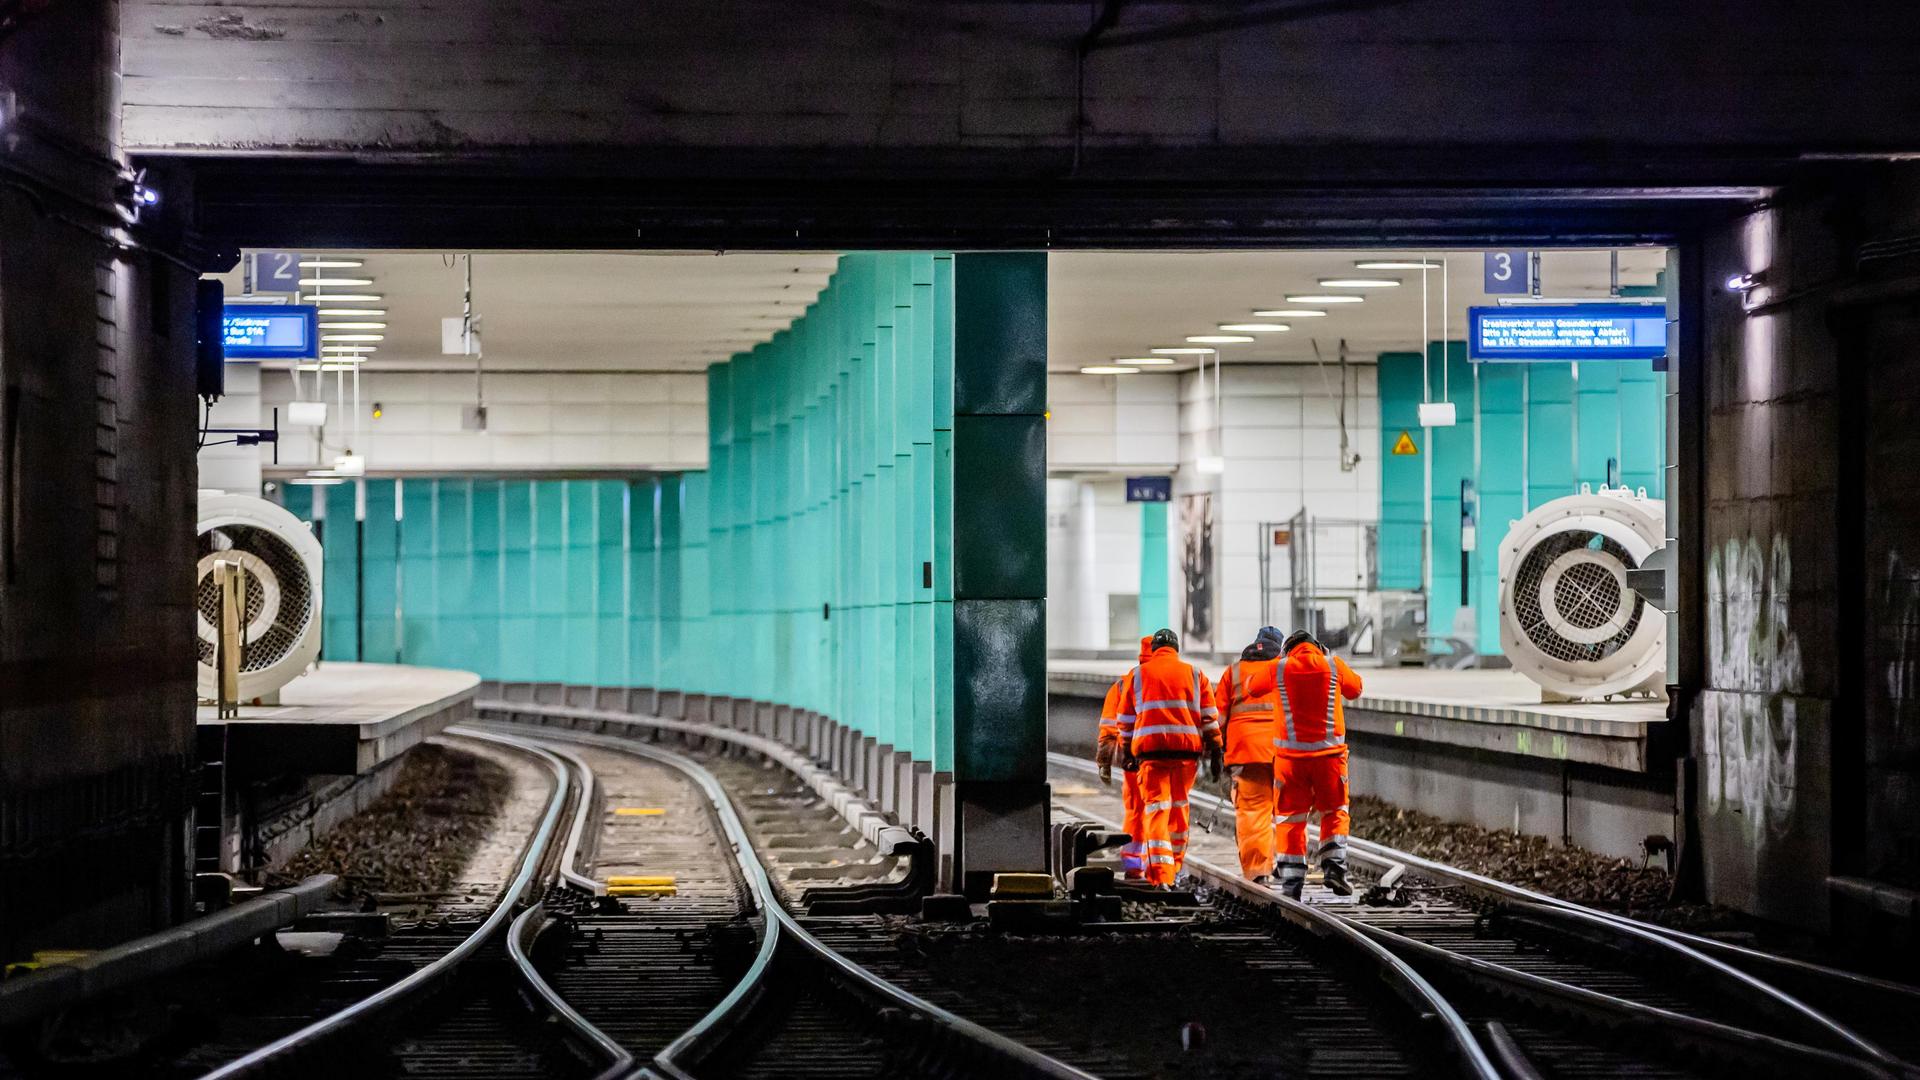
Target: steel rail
[620, 1060]
[583, 815]
[1755, 1050]
[1803, 975]
[275, 1056]
[1409, 985]
[680, 1058]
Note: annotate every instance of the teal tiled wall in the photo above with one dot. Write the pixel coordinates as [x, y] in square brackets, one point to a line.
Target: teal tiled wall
[816, 563]
[1527, 433]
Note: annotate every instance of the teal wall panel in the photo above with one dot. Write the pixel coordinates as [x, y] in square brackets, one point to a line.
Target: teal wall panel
[1155, 601]
[851, 547]
[340, 574]
[1528, 433]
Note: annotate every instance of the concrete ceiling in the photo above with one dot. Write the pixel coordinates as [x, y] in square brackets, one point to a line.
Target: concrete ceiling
[642, 311]
[1106, 305]
[681, 311]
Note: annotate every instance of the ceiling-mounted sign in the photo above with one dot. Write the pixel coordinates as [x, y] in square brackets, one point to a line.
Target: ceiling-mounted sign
[1567, 332]
[269, 331]
[1149, 489]
[1505, 272]
[276, 271]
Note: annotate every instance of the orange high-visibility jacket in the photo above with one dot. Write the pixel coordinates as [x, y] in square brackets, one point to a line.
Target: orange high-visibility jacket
[1248, 699]
[1313, 721]
[1110, 724]
[1167, 708]
[1109, 745]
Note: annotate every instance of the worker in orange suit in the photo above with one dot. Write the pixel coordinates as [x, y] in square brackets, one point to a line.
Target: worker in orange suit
[1310, 762]
[1133, 865]
[1168, 723]
[1248, 698]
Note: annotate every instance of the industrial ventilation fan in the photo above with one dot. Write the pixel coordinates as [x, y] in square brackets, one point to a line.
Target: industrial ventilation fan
[1568, 618]
[279, 562]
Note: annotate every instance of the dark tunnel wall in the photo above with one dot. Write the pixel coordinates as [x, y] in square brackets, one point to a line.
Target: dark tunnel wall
[1805, 731]
[96, 517]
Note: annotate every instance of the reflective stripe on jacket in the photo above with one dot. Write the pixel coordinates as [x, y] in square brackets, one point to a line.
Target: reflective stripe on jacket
[1249, 700]
[1167, 708]
[1110, 717]
[1313, 720]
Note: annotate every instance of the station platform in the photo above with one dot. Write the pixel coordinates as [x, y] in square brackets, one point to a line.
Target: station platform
[344, 719]
[1476, 746]
[1494, 710]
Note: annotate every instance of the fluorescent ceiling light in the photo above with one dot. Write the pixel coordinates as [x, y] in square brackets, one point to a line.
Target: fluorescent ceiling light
[1183, 352]
[1144, 361]
[1359, 283]
[344, 363]
[353, 337]
[1109, 369]
[1210, 464]
[1331, 298]
[329, 312]
[331, 264]
[1255, 327]
[1396, 264]
[342, 298]
[353, 326]
[1219, 339]
[317, 481]
[1291, 313]
[319, 281]
[349, 348]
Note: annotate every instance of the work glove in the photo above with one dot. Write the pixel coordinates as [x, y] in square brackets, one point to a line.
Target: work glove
[1128, 762]
[1103, 757]
[1106, 773]
[1216, 763]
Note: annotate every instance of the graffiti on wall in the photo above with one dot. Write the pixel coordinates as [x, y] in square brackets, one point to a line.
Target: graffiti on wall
[1749, 732]
[1898, 623]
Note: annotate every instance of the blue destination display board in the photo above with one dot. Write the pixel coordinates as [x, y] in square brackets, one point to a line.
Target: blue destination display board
[1568, 332]
[268, 330]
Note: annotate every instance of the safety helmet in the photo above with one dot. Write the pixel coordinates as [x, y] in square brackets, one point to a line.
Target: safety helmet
[1164, 638]
[1297, 638]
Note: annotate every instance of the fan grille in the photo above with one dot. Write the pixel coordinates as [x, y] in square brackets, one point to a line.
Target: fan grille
[1586, 597]
[296, 595]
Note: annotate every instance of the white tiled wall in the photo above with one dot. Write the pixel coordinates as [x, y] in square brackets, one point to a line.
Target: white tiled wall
[1279, 434]
[1113, 421]
[1093, 550]
[534, 421]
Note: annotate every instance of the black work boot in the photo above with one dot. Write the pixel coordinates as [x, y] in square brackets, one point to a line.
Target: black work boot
[1291, 889]
[1334, 876]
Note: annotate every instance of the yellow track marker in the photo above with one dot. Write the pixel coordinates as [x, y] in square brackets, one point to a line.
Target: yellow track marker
[637, 811]
[641, 879]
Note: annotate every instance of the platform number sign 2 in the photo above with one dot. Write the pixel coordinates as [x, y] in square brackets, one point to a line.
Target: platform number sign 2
[276, 271]
[1505, 272]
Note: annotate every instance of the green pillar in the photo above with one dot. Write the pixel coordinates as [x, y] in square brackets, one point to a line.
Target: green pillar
[1154, 607]
[999, 564]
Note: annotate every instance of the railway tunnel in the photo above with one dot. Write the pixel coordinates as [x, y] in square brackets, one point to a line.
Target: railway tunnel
[841, 393]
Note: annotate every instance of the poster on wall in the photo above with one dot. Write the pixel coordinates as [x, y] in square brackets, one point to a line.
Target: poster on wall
[1196, 566]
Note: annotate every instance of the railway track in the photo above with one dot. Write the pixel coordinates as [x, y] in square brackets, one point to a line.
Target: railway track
[1583, 992]
[1359, 1009]
[799, 1008]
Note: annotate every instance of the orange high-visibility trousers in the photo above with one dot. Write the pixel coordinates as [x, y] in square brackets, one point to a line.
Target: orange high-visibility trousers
[1253, 819]
[1132, 857]
[1303, 787]
[1164, 783]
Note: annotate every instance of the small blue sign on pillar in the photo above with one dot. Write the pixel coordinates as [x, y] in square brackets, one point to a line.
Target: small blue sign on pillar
[1505, 272]
[1149, 489]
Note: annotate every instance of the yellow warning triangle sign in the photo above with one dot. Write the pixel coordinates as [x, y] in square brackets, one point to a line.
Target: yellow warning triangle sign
[1403, 446]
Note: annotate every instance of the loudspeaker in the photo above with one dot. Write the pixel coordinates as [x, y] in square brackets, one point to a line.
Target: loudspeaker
[209, 344]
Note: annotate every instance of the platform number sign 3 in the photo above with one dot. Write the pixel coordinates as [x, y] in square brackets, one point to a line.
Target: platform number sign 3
[276, 271]
[1505, 272]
